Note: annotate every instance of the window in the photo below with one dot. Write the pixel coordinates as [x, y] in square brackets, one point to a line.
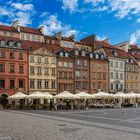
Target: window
[11, 43]
[2, 43]
[65, 75]
[66, 54]
[121, 76]
[78, 62]
[53, 71]
[83, 53]
[117, 76]
[104, 76]
[99, 66]
[32, 59]
[111, 86]
[46, 71]
[93, 75]
[65, 64]
[4, 33]
[99, 76]
[2, 54]
[12, 84]
[116, 65]
[12, 56]
[111, 63]
[77, 74]
[121, 65]
[39, 84]
[12, 68]
[33, 37]
[32, 83]
[70, 75]
[23, 36]
[78, 85]
[53, 85]
[104, 86]
[70, 64]
[39, 59]
[2, 68]
[60, 74]
[85, 63]
[39, 70]
[46, 60]
[85, 74]
[32, 70]
[20, 55]
[85, 85]
[112, 75]
[61, 54]
[28, 36]
[53, 61]
[21, 84]
[93, 66]
[18, 44]
[2, 83]
[46, 84]
[94, 86]
[21, 69]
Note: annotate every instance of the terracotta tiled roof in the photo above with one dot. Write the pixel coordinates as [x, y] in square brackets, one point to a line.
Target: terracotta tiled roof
[7, 28]
[30, 30]
[67, 39]
[50, 37]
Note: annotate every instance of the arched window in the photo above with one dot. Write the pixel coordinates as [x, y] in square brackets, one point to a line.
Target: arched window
[18, 44]
[11, 43]
[97, 56]
[2, 43]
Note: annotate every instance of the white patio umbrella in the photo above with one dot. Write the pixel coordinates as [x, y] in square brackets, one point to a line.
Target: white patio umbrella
[18, 96]
[48, 94]
[120, 95]
[66, 95]
[83, 95]
[102, 95]
[131, 95]
[37, 95]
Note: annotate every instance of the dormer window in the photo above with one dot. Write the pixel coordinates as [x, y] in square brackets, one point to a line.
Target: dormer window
[2, 43]
[102, 56]
[61, 54]
[131, 60]
[18, 44]
[83, 53]
[11, 43]
[97, 56]
[127, 60]
[76, 52]
[91, 55]
[66, 54]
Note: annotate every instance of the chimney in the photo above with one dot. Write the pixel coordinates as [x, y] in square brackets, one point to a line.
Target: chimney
[16, 25]
[58, 35]
[42, 29]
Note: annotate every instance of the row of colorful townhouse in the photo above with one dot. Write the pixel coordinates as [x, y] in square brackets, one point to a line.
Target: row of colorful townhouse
[31, 61]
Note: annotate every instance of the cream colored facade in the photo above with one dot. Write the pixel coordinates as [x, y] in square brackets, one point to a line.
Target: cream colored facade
[42, 71]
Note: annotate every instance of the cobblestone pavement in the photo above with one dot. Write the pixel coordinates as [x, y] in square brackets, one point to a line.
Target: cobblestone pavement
[65, 125]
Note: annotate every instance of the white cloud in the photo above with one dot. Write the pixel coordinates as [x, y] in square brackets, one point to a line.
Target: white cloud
[71, 5]
[53, 25]
[135, 37]
[101, 38]
[23, 7]
[21, 11]
[138, 20]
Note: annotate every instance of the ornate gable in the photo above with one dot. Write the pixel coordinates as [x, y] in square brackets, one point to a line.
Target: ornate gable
[43, 52]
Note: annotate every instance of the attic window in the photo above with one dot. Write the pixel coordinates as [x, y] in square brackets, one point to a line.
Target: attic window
[2, 43]
[76, 52]
[102, 56]
[91, 55]
[61, 54]
[83, 53]
[97, 56]
[66, 54]
[127, 60]
[131, 60]
[11, 43]
[18, 44]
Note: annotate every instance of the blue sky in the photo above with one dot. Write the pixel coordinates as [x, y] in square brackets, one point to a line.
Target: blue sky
[118, 20]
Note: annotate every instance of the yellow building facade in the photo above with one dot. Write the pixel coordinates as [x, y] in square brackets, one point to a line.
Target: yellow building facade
[42, 71]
